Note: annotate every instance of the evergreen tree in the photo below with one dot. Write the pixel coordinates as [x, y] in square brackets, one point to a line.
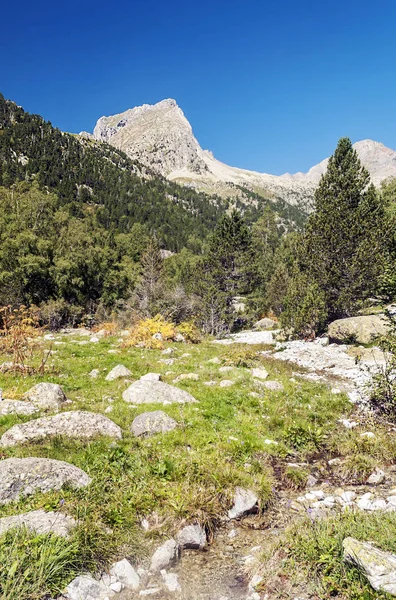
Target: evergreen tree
[227, 271]
[343, 248]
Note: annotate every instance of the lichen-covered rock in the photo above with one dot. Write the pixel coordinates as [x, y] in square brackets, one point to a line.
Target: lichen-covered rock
[39, 521]
[23, 476]
[155, 392]
[17, 407]
[118, 372]
[165, 555]
[379, 567]
[363, 330]
[75, 424]
[192, 536]
[46, 396]
[149, 423]
[245, 502]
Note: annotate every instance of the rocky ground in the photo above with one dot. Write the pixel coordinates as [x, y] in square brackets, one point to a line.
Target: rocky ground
[176, 471]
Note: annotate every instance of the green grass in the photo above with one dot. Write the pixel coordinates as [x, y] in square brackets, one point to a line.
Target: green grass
[310, 554]
[189, 473]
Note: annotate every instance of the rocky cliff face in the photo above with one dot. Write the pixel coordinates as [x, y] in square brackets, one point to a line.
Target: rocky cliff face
[160, 137]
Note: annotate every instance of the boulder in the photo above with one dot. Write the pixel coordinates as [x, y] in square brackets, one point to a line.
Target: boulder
[165, 556]
[76, 424]
[379, 567]
[117, 372]
[265, 324]
[126, 574]
[40, 522]
[23, 476]
[85, 587]
[46, 396]
[363, 330]
[16, 407]
[156, 392]
[245, 502]
[149, 423]
[192, 536]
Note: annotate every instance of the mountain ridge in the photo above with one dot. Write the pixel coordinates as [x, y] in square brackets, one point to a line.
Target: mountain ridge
[161, 137]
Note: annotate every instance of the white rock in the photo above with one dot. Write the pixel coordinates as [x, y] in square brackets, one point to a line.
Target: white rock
[226, 383]
[259, 373]
[86, 587]
[192, 536]
[183, 376]
[94, 374]
[165, 556]
[109, 409]
[245, 502]
[348, 496]
[118, 372]
[364, 503]
[117, 586]
[348, 424]
[94, 339]
[377, 477]
[379, 567]
[379, 504]
[151, 377]
[168, 351]
[171, 581]
[126, 574]
[368, 434]
[150, 592]
[392, 500]
[270, 442]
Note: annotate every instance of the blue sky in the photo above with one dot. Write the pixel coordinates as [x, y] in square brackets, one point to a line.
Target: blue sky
[266, 85]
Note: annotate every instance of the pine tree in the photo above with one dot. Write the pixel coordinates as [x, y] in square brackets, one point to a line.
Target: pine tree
[227, 271]
[343, 247]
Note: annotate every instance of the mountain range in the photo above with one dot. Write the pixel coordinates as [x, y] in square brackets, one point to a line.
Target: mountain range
[160, 137]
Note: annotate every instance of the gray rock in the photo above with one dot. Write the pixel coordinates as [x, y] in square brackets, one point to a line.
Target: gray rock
[168, 351]
[245, 502]
[377, 477]
[46, 396]
[171, 581]
[215, 361]
[17, 407]
[23, 476]
[85, 587]
[363, 330]
[167, 361]
[273, 386]
[94, 374]
[149, 423]
[379, 567]
[151, 377]
[165, 556]
[226, 369]
[259, 373]
[126, 574]
[39, 521]
[117, 372]
[157, 336]
[226, 383]
[76, 424]
[265, 324]
[179, 338]
[183, 376]
[155, 392]
[192, 536]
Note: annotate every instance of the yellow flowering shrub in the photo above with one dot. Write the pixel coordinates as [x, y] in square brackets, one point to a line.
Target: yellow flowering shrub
[144, 331]
[190, 332]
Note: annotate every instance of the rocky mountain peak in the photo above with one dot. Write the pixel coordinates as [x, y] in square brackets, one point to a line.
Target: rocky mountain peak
[160, 137]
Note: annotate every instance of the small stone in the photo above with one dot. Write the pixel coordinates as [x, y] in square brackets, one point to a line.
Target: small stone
[273, 386]
[191, 376]
[165, 556]
[150, 592]
[245, 502]
[171, 581]
[329, 501]
[311, 481]
[168, 351]
[179, 338]
[226, 369]
[94, 374]
[209, 383]
[368, 435]
[151, 377]
[318, 494]
[116, 586]
[226, 383]
[109, 409]
[167, 361]
[192, 536]
[94, 339]
[126, 574]
[379, 504]
[348, 424]
[377, 477]
[347, 497]
[335, 391]
[215, 361]
[259, 373]
[270, 442]
[118, 372]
